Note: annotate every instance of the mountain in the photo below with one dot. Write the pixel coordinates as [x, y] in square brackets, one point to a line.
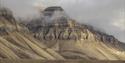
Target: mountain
[55, 36]
[74, 40]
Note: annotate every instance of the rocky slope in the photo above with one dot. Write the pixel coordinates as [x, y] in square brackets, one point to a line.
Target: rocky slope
[16, 42]
[74, 40]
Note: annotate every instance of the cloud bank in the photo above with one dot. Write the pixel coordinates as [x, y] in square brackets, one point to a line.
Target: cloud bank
[106, 15]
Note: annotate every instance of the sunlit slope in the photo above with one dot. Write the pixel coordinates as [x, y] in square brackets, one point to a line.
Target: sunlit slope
[81, 41]
[20, 45]
[89, 48]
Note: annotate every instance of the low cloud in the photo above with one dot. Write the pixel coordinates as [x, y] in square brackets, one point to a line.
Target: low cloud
[106, 15]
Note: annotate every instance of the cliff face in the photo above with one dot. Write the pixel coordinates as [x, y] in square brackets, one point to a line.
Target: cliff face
[74, 40]
[60, 27]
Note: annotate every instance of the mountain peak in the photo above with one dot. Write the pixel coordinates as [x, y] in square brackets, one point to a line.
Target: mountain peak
[54, 8]
[54, 13]
[64, 23]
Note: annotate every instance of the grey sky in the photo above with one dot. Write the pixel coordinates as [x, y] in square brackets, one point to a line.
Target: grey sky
[106, 15]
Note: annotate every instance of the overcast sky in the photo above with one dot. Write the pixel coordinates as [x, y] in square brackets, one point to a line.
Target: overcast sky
[106, 15]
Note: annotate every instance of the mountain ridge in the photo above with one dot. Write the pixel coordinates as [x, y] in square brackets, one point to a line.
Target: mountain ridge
[70, 38]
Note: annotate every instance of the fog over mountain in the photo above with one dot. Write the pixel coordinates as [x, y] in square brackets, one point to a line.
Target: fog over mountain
[106, 15]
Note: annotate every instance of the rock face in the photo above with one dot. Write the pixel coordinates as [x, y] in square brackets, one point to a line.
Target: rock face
[55, 26]
[61, 27]
[74, 40]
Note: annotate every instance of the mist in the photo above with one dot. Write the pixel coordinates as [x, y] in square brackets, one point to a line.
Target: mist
[105, 15]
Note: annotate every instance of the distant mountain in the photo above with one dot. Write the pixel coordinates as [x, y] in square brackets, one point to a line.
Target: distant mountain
[74, 40]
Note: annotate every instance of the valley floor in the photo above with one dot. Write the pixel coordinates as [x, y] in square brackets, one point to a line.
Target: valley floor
[56, 61]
